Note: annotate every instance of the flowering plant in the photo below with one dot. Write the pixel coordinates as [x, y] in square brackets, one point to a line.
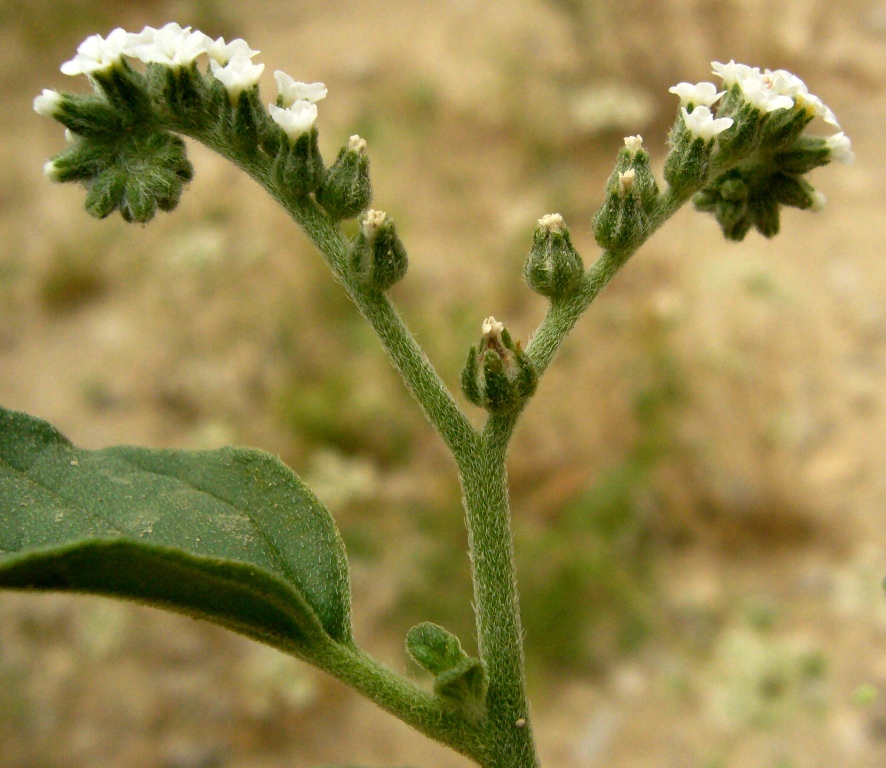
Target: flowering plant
[233, 535]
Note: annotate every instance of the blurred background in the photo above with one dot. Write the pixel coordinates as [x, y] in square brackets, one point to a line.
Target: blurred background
[698, 486]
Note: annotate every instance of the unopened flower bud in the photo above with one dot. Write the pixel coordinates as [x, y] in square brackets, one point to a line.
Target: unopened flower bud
[378, 258]
[498, 375]
[47, 103]
[346, 189]
[553, 268]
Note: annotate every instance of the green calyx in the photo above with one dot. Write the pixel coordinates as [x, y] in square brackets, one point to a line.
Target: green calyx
[378, 257]
[346, 190]
[553, 267]
[498, 375]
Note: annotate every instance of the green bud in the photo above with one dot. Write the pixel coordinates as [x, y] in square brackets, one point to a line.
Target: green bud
[794, 191]
[686, 165]
[805, 154]
[378, 258]
[460, 680]
[553, 268]
[633, 157]
[621, 223]
[184, 91]
[498, 374]
[434, 648]
[346, 190]
[764, 210]
[298, 167]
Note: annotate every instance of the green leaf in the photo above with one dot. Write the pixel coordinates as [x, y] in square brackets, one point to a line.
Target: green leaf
[230, 535]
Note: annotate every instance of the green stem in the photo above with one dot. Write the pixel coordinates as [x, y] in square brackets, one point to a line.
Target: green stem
[401, 698]
[509, 742]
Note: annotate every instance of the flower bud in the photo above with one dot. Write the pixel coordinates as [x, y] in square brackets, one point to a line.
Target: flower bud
[621, 222]
[553, 268]
[498, 375]
[460, 680]
[298, 167]
[378, 258]
[346, 189]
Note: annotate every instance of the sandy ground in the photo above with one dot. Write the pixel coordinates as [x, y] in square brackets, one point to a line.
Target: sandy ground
[203, 328]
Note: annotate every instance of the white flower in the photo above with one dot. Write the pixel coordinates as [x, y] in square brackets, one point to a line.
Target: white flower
[47, 103]
[97, 53]
[171, 45]
[295, 120]
[371, 222]
[818, 202]
[223, 52]
[785, 82]
[757, 89]
[733, 73]
[700, 94]
[553, 222]
[634, 143]
[841, 148]
[50, 170]
[492, 329]
[626, 181]
[237, 75]
[356, 144]
[292, 90]
[701, 123]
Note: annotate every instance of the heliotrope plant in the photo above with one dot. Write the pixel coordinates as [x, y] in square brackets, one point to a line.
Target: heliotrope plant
[232, 535]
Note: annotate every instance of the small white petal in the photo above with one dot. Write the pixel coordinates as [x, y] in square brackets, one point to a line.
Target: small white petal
[626, 181]
[700, 122]
[295, 120]
[50, 170]
[47, 103]
[818, 202]
[841, 148]
[372, 222]
[97, 53]
[733, 73]
[553, 222]
[633, 143]
[292, 90]
[700, 94]
[222, 52]
[491, 328]
[356, 144]
[237, 75]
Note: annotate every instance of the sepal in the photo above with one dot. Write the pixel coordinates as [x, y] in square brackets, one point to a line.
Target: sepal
[553, 267]
[347, 190]
[298, 167]
[378, 257]
[498, 374]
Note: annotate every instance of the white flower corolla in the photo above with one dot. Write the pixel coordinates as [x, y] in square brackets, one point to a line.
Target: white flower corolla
[47, 103]
[626, 181]
[733, 73]
[371, 223]
[492, 329]
[237, 75]
[172, 45]
[700, 122]
[222, 52]
[553, 222]
[357, 144]
[756, 88]
[291, 90]
[818, 202]
[295, 120]
[787, 83]
[97, 53]
[633, 143]
[50, 170]
[700, 94]
[841, 148]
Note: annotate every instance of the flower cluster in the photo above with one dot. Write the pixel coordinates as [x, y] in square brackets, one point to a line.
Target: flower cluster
[744, 149]
[127, 126]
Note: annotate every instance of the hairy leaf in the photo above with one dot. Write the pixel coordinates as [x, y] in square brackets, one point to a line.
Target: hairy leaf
[230, 535]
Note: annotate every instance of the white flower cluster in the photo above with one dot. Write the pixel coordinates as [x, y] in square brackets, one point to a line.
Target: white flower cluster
[766, 91]
[175, 46]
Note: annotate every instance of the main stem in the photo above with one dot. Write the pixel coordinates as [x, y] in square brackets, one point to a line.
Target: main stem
[509, 742]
